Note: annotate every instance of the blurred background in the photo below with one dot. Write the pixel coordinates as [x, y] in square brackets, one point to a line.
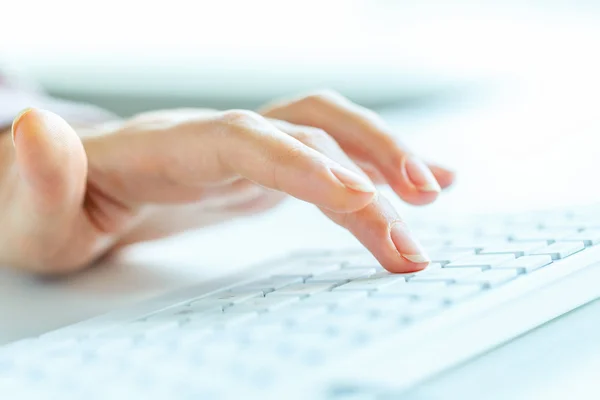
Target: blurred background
[131, 55]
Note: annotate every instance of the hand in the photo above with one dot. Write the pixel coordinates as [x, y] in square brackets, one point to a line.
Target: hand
[66, 201]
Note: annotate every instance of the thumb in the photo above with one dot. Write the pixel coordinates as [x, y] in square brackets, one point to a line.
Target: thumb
[47, 195]
[51, 162]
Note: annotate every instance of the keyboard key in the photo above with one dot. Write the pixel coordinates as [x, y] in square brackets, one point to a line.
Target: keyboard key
[359, 259]
[526, 264]
[518, 249]
[230, 296]
[143, 328]
[302, 289]
[483, 261]
[447, 255]
[443, 274]
[335, 298]
[490, 278]
[292, 315]
[589, 237]
[185, 312]
[309, 270]
[476, 243]
[221, 320]
[378, 309]
[343, 275]
[560, 250]
[269, 284]
[262, 304]
[420, 309]
[374, 282]
[550, 235]
[455, 292]
[415, 289]
[392, 307]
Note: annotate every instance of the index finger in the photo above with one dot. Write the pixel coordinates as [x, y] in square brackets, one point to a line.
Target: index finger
[383, 232]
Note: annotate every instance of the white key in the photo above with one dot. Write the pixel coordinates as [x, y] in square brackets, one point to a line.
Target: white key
[302, 289]
[481, 261]
[376, 306]
[443, 274]
[343, 275]
[225, 319]
[560, 250]
[455, 292]
[550, 234]
[335, 298]
[308, 270]
[292, 315]
[518, 249]
[493, 277]
[410, 289]
[421, 308]
[526, 264]
[262, 304]
[186, 312]
[392, 307]
[115, 346]
[574, 222]
[360, 259]
[445, 255]
[270, 284]
[228, 297]
[142, 328]
[374, 282]
[589, 237]
[477, 243]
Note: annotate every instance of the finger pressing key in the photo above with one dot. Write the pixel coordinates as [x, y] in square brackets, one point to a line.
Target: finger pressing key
[380, 229]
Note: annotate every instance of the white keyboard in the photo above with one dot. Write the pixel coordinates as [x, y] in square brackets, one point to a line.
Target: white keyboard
[310, 311]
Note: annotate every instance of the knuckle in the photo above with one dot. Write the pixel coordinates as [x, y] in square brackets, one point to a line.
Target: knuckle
[322, 96]
[239, 123]
[314, 137]
[401, 223]
[239, 118]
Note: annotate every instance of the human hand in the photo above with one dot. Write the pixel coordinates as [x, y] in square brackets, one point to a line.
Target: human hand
[68, 200]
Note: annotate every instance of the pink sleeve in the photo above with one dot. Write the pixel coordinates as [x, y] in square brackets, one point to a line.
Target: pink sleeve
[15, 96]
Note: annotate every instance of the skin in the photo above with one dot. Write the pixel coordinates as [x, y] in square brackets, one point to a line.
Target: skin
[71, 195]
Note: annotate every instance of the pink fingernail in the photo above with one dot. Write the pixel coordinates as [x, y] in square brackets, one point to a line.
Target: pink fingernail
[420, 175]
[407, 245]
[16, 121]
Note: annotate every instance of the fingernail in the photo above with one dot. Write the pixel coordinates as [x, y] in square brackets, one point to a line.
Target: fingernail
[353, 180]
[16, 121]
[407, 245]
[420, 175]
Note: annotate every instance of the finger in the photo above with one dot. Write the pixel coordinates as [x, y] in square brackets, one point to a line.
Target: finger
[363, 134]
[51, 162]
[49, 191]
[444, 176]
[381, 230]
[377, 226]
[176, 163]
[320, 141]
[372, 172]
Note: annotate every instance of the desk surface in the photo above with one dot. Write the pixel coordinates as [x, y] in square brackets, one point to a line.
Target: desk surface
[515, 152]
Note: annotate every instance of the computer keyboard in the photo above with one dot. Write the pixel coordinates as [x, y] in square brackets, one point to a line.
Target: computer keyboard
[311, 310]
